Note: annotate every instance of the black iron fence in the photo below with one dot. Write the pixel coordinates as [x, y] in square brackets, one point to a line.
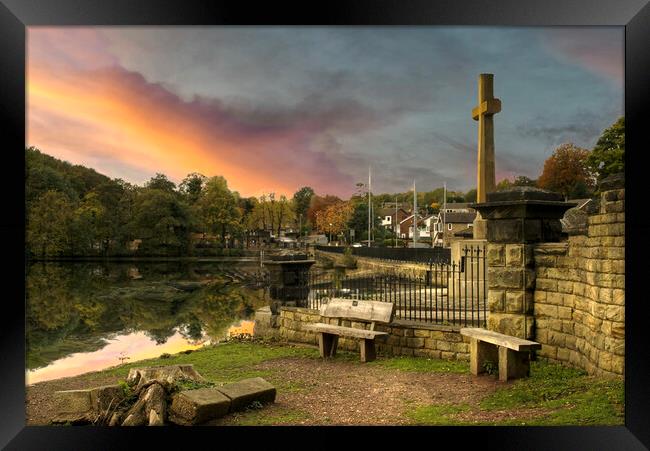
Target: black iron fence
[454, 294]
[408, 254]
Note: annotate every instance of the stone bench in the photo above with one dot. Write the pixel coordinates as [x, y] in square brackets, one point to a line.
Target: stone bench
[511, 353]
[354, 310]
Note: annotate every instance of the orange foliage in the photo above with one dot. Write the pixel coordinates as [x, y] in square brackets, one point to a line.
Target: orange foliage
[566, 171]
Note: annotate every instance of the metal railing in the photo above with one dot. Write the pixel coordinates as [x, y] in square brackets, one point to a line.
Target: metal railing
[453, 294]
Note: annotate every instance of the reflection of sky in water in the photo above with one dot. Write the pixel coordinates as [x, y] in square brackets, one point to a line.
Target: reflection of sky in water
[135, 346]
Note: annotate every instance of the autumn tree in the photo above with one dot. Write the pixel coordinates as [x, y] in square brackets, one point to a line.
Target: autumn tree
[567, 172]
[608, 156]
[334, 218]
[319, 203]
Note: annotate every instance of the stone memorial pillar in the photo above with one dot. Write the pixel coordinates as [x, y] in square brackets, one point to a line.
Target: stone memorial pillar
[289, 279]
[484, 113]
[516, 220]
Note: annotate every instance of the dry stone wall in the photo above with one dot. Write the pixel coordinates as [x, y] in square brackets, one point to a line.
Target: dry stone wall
[409, 339]
[579, 298]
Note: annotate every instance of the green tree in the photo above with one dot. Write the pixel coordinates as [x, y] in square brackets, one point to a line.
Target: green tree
[301, 201]
[608, 155]
[218, 208]
[162, 221]
[470, 196]
[49, 225]
[192, 185]
[161, 182]
[522, 180]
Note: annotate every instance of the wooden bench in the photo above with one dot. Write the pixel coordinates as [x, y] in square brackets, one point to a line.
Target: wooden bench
[512, 353]
[374, 312]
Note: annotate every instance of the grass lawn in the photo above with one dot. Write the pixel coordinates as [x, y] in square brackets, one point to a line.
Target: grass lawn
[553, 395]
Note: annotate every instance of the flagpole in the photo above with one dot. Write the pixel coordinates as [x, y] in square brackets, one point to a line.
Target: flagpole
[415, 214]
[444, 212]
[369, 214]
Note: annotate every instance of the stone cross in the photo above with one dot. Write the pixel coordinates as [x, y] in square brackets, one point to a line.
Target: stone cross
[486, 108]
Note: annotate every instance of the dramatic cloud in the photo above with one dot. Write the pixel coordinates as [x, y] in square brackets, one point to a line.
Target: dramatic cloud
[274, 109]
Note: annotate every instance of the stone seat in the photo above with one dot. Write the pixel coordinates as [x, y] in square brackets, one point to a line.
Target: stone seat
[512, 353]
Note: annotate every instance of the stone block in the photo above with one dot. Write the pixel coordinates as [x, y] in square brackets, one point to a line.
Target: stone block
[546, 310]
[514, 254]
[563, 354]
[447, 355]
[514, 301]
[513, 324]
[415, 342]
[496, 300]
[615, 313]
[565, 312]
[453, 337]
[422, 333]
[496, 255]
[505, 278]
[244, 392]
[545, 260]
[546, 284]
[409, 332]
[74, 406]
[570, 342]
[618, 330]
[429, 343]
[564, 286]
[191, 407]
[443, 346]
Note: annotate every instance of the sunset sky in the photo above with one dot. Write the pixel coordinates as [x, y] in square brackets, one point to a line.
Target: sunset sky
[273, 109]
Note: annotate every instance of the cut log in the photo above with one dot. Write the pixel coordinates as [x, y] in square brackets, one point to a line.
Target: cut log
[166, 376]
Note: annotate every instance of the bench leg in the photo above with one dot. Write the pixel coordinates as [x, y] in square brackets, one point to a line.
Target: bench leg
[327, 344]
[513, 364]
[368, 353]
[480, 353]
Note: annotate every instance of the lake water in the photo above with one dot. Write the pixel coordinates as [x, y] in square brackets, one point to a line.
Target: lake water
[85, 317]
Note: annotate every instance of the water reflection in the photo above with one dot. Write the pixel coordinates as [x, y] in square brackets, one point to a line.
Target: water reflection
[80, 314]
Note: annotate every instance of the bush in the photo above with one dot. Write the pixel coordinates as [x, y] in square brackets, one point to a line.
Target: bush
[348, 260]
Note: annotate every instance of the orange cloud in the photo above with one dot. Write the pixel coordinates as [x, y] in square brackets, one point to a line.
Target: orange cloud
[115, 121]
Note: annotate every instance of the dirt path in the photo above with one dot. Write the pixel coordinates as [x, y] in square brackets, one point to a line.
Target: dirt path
[318, 392]
[339, 392]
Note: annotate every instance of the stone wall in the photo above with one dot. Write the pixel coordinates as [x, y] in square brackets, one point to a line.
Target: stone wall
[579, 299]
[406, 338]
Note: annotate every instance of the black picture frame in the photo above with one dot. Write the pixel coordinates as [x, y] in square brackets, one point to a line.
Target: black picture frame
[16, 15]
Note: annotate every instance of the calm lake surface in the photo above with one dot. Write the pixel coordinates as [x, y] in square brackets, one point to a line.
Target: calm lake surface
[85, 317]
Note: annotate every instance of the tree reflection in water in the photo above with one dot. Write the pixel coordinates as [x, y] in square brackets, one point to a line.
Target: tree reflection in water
[76, 307]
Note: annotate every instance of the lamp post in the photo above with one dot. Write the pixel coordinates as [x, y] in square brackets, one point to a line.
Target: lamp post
[330, 233]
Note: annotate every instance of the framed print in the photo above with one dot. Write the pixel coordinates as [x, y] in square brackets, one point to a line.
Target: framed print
[213, 198]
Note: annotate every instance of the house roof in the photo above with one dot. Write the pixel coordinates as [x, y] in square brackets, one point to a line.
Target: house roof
[389, 211]
[457, 205]
[467, 232]
[460, 217]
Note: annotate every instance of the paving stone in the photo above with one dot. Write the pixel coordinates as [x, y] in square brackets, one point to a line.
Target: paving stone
[244, 392]
[191, 407]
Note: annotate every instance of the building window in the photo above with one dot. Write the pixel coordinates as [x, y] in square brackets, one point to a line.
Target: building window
[388, 218]
[449, 226]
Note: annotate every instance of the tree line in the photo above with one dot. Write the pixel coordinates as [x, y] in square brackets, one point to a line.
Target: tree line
[72, 210]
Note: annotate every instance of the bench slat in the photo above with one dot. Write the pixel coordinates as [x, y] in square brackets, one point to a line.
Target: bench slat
[343, 331]
[514, 343]
[355, 309]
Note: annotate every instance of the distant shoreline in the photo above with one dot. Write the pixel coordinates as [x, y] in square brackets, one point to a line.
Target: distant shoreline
[141, 259]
